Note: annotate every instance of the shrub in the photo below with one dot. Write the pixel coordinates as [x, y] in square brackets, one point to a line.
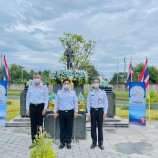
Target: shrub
[153, 98]
[42, 146]
[9, 102]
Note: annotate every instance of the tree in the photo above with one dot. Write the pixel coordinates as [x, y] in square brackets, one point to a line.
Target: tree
[122, 76]
[153, 98]
[32, 72]
[137, 71]
[45, 76]
[153, 73]
[16, 74]
[82, 49]
[92, 72]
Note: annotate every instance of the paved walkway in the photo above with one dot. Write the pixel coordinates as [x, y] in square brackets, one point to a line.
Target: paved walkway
[132, 142]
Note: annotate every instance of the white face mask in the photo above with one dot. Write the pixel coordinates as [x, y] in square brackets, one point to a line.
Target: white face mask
[96, 85]
[66, 86]
[36, 80]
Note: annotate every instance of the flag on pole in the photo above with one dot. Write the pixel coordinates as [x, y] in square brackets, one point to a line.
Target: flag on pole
[6, 72]
[130, 74]
[144, 77]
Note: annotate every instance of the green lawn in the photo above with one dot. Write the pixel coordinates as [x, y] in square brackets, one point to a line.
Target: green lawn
[123, 112]
[122, 95]
[17, 93]
[13, 109]
[14, 93]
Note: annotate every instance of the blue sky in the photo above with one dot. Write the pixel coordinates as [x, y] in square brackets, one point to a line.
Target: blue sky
[121, 28]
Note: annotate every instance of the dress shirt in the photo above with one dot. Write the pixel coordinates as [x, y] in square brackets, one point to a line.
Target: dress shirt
[97, 99]
[37, 95]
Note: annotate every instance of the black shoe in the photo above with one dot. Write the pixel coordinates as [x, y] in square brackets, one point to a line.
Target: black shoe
[101, 147]
[61, 146]
[93, 146]
[68, 146]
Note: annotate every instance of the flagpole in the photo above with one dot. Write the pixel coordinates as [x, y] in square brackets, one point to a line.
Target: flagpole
[2, 67]
[149, 104]
[131, 71]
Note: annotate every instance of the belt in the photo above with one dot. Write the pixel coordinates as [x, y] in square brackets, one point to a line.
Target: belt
[67, 110]
[97, 108]
[36, 104]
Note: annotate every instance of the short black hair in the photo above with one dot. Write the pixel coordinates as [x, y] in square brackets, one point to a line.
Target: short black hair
[66, 80]
[35, 74]
[96, 79]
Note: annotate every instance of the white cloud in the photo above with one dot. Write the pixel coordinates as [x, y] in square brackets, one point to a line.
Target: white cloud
[30, 30]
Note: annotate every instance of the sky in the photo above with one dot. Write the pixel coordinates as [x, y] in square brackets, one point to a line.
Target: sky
[121, 28]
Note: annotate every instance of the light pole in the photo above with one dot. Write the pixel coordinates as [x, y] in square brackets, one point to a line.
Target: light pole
[117, 69]
[22, 77]
[124, 64]
[10, 73]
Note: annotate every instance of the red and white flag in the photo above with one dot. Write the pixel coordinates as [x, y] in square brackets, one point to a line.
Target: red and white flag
[144, 77]
[130, 74]
[6, 72]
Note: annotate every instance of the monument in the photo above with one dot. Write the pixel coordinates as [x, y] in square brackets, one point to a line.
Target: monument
[70, 56]
[77, 78]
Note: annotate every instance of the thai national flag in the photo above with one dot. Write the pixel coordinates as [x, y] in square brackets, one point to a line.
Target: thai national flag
[6, 72]
[144, 77]
[130, 74]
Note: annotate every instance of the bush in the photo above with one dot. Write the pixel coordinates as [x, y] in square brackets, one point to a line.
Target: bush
[153, 98]
[9, 102]
[42, 146]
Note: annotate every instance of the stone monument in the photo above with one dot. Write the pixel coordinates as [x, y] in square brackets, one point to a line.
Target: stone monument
[70, 56]
[77, 78]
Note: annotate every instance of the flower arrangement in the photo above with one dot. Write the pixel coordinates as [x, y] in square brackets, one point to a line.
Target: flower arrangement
[29, 82]
[104, 83]
[52, 101]
[78, 77]
[81, 102]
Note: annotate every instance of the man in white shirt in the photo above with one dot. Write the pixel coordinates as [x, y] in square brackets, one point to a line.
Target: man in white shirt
[36, 104]
[66, 102]
[97, 105]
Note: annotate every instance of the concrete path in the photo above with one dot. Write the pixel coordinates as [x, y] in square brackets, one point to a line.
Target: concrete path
[132, 142]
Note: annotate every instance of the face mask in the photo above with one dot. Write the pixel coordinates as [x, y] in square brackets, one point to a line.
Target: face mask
[36, 80]
[96, 85]
[66, 86]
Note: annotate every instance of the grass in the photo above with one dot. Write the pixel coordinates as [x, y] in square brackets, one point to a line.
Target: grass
[123, 112]
[122, 95]
[13, 109]
[17, 93]
[14, 93]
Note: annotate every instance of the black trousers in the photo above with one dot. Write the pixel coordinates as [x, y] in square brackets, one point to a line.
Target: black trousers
[97, 118]
[36, 118]
[66, 123]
